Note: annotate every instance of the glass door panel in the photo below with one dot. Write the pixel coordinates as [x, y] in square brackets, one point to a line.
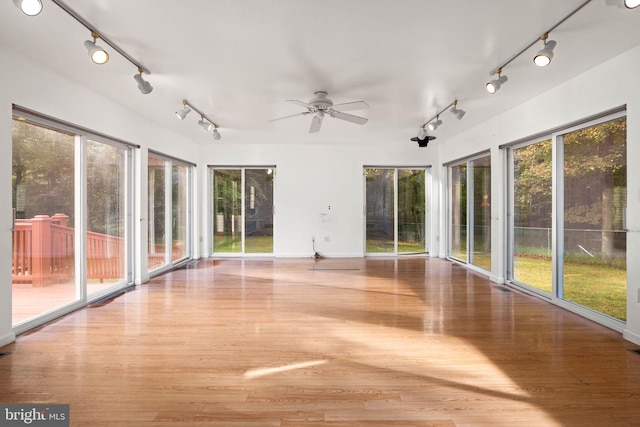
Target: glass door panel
[458, 212]
[227, 221]
[106, 224]
[531, 201]
[595, 185]
[43, 263]
[179, 212]
[411, 211]
[480, 239]
[380, 221]
[157, 214]
[258, 219]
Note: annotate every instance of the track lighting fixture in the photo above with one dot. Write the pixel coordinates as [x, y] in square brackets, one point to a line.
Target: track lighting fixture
[545, 55]
[628, 4]
[456, 111]
[29, 7]
[434, 124]
[494, 85]
[205, 122]
[143, 85]
[96, 53]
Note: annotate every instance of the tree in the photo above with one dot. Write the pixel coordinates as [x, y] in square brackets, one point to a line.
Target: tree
[595, 164]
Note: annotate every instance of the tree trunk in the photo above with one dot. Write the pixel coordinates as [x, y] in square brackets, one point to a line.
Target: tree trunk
[608, 207]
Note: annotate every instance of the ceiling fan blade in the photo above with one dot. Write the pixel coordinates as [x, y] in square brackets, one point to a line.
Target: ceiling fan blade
[316, 122]
[348, 106]
[293, 115]
[302, 104]
[348, 117]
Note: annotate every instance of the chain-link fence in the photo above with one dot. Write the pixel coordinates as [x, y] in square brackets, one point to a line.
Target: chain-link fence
[592, 243]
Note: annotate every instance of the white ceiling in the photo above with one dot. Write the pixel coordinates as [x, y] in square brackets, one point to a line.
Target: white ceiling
[238, 60]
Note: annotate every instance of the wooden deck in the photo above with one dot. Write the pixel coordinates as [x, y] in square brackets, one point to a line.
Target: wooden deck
[335, 342]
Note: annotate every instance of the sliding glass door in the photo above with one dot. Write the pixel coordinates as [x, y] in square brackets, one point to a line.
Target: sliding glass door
[592, 201]
[44, 206]
[470, 211]
[567, 203]
[395, 210]
[531, 203]
[107, 176]
[169, 184]
[72, 203]
[242, 220]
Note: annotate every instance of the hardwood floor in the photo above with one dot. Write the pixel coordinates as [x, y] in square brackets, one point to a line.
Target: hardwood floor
[335, 342]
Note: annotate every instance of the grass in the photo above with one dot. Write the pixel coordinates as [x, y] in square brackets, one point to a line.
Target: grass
[252, 244]
[599, 286]
[385, 246]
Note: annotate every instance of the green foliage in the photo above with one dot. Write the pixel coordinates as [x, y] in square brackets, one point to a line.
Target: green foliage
[43, 180]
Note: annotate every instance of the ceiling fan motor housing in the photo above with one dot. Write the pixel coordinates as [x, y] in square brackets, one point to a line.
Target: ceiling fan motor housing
[321, 102]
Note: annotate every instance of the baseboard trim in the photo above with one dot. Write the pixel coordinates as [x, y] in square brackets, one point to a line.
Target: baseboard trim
[631, 336]
[7, 339]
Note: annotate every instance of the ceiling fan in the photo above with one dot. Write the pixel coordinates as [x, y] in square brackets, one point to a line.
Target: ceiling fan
[320, 105]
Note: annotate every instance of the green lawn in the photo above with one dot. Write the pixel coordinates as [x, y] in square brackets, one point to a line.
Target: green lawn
[383, 246]
[252, 244]
[599, 286]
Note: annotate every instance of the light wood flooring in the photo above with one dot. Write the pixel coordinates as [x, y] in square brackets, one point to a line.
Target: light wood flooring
[335, 342]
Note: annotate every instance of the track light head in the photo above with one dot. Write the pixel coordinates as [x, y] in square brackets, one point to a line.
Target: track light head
[434, 124]
[627, 4]
[422, 133]
[96, 53]
[216, 134]
[456, 111]
[205, 124]
[494, 85]
[183, 112]
[143, 85]
[545, 55]
[29, 7]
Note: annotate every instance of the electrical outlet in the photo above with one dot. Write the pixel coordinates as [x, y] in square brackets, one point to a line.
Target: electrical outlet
[327, 239]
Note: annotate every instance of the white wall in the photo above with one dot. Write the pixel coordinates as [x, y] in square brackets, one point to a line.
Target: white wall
[602, 88]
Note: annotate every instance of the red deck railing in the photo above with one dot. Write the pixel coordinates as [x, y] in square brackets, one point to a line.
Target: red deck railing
[44, 248]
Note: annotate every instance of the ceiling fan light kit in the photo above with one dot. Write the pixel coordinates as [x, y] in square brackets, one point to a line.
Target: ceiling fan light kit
[321, 106]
